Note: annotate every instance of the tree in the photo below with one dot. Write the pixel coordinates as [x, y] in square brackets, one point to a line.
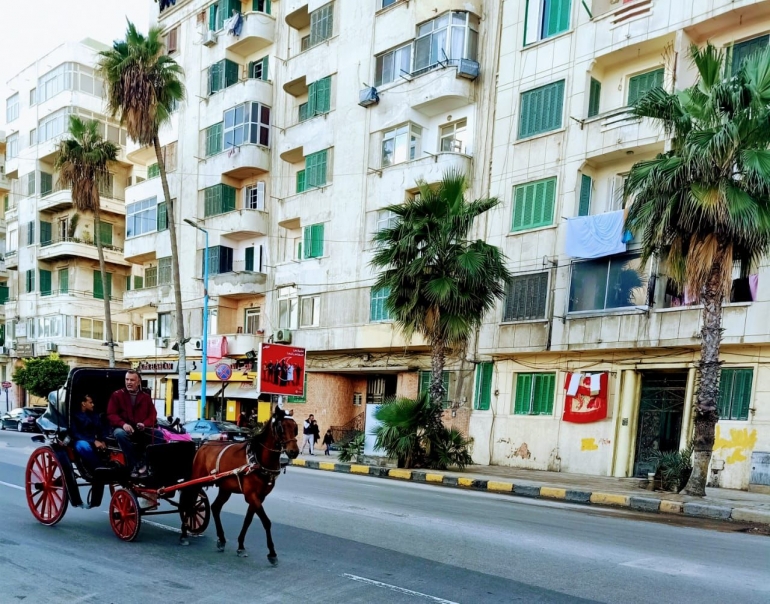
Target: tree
[42, 375]
[440, 283]
[143, 85]
[705, 204]
[83, 162]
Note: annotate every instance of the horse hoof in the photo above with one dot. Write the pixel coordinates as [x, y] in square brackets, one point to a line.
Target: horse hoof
[220, 546]
[242, 553]
[184, 541]
[272, 559]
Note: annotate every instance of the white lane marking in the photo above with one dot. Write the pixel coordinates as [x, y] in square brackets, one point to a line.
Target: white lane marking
[160, 525]
[401, 590]
[13, 486]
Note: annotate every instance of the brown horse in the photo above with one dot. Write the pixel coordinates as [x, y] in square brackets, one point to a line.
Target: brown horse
[262, 455]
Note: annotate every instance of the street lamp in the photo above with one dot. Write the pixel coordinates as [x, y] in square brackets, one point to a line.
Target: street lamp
[205, 316]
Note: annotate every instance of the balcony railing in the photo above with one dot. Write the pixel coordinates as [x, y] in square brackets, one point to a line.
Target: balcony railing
[112, 248]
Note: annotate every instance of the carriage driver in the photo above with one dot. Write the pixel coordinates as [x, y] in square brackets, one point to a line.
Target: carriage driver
[132, 416]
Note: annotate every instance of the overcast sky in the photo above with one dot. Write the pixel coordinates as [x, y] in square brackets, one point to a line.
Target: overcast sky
[31, 29]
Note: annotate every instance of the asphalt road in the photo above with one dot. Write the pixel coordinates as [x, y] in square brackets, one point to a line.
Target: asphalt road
[343, 538]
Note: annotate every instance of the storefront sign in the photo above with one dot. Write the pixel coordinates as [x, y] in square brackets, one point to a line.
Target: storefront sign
[24, 350]
[157, 366]
[281, 370]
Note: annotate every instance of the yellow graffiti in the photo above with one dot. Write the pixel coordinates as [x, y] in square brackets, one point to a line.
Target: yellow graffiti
[739, 441]
[588, 444]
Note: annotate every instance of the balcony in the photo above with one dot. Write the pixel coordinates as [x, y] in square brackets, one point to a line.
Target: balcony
[430, 169]
[258, 33]
[3, 270]
[145, 298]
[11, 260]
[70, 247]
[144, 349]
[241, 162]
[149, 246]
[237, 284]
[250, 89]
[239, 224]
[5, 184]
[309, 136]
[439, 91]
[238, 344]
[612, 134]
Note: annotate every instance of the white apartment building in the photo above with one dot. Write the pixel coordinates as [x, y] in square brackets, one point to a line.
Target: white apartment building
[54, 299]
[281, 157]
[563, 142]
[7, 399]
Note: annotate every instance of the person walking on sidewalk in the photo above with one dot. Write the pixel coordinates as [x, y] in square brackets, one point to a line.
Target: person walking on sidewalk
[328, 441]
[307, 431]
[316, 433]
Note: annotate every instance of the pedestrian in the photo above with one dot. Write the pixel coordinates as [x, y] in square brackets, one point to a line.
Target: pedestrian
[316, 432]
[328, 441]
[307, 432]
[243, 420]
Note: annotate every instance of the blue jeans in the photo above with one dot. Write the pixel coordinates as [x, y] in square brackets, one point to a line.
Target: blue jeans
[86, 452]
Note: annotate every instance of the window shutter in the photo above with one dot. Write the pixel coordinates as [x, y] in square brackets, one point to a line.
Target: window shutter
[45, 232]
[213, 17]
[249, 262]
[64, 281]
[311, 100]
[98, 289]
[45, 282]
[301, 181]
[642, 83]
[483, 394]
[323, 95]
[231, 73]
[544, 387]
[46, 183]
[742, 396]
[523, 394]
[228, 198]
[265, 62]
[138, 282]
[307, 246]
[518, 208]
[261, 195]
[318, 240]
[584, 208]
[105, 233]
[424, 387]
[557, 17]
[162, 217]
[31, 233]
[740, 51]
[594, 97]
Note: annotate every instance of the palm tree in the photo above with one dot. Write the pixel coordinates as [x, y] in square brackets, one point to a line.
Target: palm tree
[82, 161]
[143, 86]
[705, 204]
[440, 283]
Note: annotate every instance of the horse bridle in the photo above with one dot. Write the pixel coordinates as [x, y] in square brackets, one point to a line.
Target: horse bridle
[278, 432]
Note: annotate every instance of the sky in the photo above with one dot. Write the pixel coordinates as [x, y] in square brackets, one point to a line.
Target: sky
[32, 29]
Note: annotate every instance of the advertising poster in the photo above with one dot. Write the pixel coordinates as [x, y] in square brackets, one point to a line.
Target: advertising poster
[281, 370]
[586, 399]
[371, 424]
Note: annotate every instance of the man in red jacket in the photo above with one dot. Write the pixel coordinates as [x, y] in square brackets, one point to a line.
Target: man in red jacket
[132, 415]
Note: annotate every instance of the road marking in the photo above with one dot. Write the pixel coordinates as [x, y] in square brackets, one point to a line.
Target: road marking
[401, 590]
[165, 527]
[13, 486]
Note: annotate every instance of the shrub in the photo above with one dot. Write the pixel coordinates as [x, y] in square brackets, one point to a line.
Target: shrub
[353, 449]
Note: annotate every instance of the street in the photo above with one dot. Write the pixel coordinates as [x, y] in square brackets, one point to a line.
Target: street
[343, 538]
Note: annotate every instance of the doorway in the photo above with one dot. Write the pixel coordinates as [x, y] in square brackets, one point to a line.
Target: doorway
[661, 409]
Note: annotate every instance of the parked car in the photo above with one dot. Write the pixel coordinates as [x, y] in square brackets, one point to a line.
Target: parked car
[205, 429]
[22, 419]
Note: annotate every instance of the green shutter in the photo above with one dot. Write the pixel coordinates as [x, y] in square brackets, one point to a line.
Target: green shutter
[523, 395]
[307, 242]
[98, 288]
[544, 389]
[594, 97]
[315, 169]
[640, 84]
[127, 285]
[322, 96]
[424, 383]
[30, 281]
[231, 73]
[534, 204]
[557, 17]
[214, 139]
[265, 65]
[735, 394]
[228, 198]
[64, 281]
[249, 258]
[541, 109]
[318, 240]
[46, 183]
[45, 282]
[105, 233]
[6, 203]
[742, 50]
[483, 394]
[213, 17]
[45, 233]
[162, 216]
[301, 181]
[153, 170]
[5, 293]
[586, 182]
[138, 282]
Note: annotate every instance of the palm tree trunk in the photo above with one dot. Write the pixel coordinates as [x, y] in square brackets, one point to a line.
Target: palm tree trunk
[176, 280]
[706, 415]
[105, 291]
[437, 361]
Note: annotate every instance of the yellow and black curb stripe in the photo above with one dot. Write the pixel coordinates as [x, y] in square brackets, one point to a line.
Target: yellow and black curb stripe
[640, 504]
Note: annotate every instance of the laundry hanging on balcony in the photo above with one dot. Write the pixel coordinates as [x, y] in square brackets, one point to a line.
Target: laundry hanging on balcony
[216, 349]
[164, 4]
[596, 236]
[586, 399]
[234, 25]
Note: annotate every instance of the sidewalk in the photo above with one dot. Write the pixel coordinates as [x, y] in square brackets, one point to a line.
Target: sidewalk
[719, 504]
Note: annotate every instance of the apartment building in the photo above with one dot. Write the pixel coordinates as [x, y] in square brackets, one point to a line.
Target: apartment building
[52, 290]
[6, 402]
[304, 119]
[563, 143]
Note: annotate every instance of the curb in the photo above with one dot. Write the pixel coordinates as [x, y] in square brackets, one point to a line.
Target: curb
[637, 503]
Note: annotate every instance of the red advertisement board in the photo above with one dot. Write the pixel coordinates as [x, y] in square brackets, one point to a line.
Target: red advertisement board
[281, 370]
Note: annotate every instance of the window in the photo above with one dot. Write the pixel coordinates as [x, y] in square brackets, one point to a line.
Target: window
[261, 6]
[28, 183]
[386, 219]
[218, 199]
[33, 97]
[321, 24]
[214, 139]
[545, 18]
[482, 396]
[220, 11]
[220, 260]
[742, 50]
[248, 258]
[586, 185]
[393, 64]
[33, 137]
[31, 232]
[313, 241]
[91, 329]
[141, 217]
[424, 385]
[162, 216]
[251, 321]
[254, 197]
[164, 325]
[541, 109]
[378, 310]
[12, 108]
[387, 3]
[69, 76]
[310, 311]
[248, 123]
[401, 144]
[221, 75]
[318, 99]
[99, 287]
[29, 281]
[153, 171]
[301, 186]
[165, 275]
[45, 282]
[454, 137]
[607, 283]
[172, 41]
[594, 97]
[64, 281]
[525, 297]
[534, 393]
[640, 84]
[105, 233]
[168, 152]
[315, 169]
[533, 204]
[445, 39]
[12, 146]
[46, 232]
[152, 328]
[46, 184]
[258, 70]
[735, 394]
[288, 308]
[151, 276]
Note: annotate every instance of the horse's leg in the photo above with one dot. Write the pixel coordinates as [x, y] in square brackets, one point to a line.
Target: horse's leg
[271, 555]
[246, 524]
[216, 508]
[186, 506]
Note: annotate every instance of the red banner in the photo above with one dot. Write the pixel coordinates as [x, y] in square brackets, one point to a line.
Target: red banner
[586, 399]
[281, 370]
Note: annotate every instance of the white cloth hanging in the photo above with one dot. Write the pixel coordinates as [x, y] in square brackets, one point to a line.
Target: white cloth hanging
[595, 236]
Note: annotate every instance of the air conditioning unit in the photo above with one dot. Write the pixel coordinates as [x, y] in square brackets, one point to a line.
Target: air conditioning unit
[368, 97]
[50, 347]
[161, 342]
[4, 351]
[282, 336]
[209, 38]
[198, 344]
[468, 69]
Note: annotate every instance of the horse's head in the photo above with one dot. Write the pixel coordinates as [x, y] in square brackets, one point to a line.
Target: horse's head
[286, 431]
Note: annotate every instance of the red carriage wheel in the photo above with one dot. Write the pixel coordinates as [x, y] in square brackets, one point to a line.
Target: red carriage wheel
[198, 521]
[45, 486]
[125, 516]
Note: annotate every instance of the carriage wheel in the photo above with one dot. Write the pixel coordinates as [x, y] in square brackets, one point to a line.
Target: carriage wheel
[198, 521]
[125, 517]
[46, 490]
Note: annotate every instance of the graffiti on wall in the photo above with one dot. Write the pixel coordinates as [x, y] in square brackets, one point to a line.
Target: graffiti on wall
[741, 442]
[592, 444]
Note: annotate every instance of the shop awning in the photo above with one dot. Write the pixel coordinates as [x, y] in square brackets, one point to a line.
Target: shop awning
[212, 390]
[242, 391]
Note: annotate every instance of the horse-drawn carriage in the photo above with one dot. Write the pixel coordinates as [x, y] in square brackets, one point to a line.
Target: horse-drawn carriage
[55, 474]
